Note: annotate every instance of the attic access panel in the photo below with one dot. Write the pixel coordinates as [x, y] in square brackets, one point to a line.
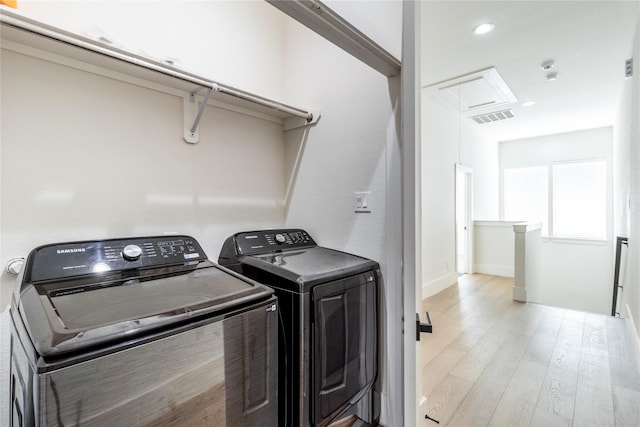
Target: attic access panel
[474, 91]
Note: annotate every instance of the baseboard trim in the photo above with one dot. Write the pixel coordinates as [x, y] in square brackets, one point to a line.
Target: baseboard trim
[519, 294]
[495, 269]
[439, 284]
[635, 338]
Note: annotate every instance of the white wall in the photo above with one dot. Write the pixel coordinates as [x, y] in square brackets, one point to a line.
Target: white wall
[627, 151]
[380, 20]
[445, 142]
[494, 248]
[480, 152]
[585, 144]
[345, 152]
[572, 275]
[575, 274]
[238, 43]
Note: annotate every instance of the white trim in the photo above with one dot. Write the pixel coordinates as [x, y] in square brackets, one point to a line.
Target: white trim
[468, 177]
[635, 338]
[392, 359]
[519, 294]
[575, 241]
[526, 227]
[462, 168]
[411, 217]
[495, 269]
[324, 21]
[439, 284]
[495, 223]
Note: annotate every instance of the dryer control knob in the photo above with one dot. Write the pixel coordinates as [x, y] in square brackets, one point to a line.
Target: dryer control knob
[131, 252]
[280, 238]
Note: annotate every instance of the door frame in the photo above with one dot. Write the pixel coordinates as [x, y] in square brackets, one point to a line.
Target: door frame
[414, 404]
[467, 172]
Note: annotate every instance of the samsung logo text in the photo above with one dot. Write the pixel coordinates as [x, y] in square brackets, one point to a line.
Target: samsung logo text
[70, 251]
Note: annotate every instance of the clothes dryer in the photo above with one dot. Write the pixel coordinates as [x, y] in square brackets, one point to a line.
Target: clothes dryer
[329, 306]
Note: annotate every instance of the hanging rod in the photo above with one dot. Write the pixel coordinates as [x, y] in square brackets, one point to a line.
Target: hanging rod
[9, 18]
[266, 103]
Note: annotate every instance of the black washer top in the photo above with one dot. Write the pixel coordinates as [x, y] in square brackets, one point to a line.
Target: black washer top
[82, 294]
[310, 266]
[296, 263]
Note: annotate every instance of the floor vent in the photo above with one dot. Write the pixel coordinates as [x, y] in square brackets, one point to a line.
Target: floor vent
[494, 116]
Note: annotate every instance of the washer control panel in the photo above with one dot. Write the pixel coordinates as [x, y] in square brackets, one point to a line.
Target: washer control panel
[257, 242]
[63, 260]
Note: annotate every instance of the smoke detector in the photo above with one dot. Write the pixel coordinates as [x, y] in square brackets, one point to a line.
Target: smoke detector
[547, 65]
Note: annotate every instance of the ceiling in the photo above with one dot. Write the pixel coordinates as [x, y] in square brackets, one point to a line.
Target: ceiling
[589, 42]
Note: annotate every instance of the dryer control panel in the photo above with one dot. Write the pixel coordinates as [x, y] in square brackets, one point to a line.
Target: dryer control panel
[258, 242]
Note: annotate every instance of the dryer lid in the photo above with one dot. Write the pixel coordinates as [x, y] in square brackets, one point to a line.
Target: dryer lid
[311, 266]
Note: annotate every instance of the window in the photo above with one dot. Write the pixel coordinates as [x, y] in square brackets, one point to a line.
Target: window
[569, 198]
[579, 200]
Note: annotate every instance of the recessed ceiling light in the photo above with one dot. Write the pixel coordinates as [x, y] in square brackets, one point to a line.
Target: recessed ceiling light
[528, 103]
[484, 28]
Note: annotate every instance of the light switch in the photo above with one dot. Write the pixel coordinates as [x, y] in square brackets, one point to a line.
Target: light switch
[362, 201]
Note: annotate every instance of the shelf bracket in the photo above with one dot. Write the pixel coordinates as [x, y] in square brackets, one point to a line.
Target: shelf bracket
[191, 109]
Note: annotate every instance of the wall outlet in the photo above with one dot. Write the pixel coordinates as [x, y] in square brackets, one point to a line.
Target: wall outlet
[362, 201]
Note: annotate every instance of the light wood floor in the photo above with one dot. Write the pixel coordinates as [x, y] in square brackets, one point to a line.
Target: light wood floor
[494, 362]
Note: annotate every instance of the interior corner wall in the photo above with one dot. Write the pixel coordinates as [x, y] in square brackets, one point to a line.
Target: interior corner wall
[445, 142]
[345, 152]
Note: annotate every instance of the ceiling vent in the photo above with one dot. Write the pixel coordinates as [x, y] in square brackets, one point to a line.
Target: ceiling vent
[475, 91]
[494, 116]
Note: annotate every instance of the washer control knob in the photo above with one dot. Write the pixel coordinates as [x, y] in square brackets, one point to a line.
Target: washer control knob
[280, 238]
[131, 252]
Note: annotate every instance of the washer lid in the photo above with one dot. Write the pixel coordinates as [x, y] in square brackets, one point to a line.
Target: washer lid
[78, 314]
[309, 267]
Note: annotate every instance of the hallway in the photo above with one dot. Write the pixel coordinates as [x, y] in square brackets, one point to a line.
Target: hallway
[493, 361]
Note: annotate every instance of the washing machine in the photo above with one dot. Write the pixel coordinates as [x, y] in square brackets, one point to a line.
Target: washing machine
[140, 332]
[329, 338]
